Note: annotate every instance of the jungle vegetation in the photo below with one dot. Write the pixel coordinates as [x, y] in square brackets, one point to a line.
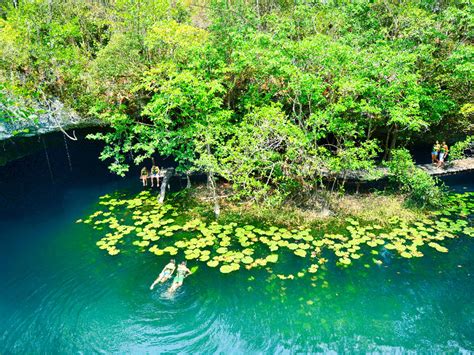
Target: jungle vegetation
[272, 96]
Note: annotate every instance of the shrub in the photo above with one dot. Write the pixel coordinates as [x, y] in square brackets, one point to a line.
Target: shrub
[422, 189]
[457, 150]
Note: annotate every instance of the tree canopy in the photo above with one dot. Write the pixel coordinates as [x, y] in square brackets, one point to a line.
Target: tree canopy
[269, 95]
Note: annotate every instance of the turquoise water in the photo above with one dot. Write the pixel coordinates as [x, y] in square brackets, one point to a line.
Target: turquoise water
[60, 293]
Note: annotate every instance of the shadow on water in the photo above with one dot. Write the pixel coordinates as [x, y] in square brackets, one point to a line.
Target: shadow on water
[49, 166]
[43, 177]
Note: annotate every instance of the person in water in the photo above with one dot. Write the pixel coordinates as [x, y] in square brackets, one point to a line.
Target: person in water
[435, 153]
[144, 175]
[165, 274]
[443, 154]
[181, 273]
[154, 174]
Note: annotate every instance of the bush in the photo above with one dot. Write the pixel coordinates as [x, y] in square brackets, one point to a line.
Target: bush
[457, 150]
[421, 188]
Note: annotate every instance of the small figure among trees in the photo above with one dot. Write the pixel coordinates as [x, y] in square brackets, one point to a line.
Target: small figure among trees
[144, 176]
[155, 175]
[443, 154]
[435, 153]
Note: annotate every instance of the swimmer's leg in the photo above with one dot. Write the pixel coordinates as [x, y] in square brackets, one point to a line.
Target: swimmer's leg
[165, 278]
[174, 287]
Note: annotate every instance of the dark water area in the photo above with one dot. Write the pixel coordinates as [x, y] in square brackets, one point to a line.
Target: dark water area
[61, 294]
[45, 174]
[51, 166]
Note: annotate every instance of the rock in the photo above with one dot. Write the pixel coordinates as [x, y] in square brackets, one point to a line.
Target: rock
[52, 115]
[325, 212]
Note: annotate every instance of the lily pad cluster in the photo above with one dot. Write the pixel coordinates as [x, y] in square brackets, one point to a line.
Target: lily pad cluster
[145, 223]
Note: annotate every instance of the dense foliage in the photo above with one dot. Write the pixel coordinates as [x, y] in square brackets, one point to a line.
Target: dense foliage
[275, 97]
[457, 151]
[417, 183]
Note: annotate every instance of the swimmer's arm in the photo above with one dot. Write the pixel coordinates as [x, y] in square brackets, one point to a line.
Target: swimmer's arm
[157, 279]
[154, 283]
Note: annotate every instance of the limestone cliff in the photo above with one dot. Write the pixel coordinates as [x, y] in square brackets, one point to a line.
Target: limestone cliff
[50, 116]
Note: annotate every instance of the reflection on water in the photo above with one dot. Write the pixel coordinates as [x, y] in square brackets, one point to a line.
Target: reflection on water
[62, 294]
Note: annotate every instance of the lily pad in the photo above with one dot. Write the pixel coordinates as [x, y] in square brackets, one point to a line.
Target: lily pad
[300, 252]
[247, 260]
[212, 263]
[273, 258]
[225, 269]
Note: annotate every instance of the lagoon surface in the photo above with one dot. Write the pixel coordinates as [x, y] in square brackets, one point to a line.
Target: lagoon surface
[60, 293]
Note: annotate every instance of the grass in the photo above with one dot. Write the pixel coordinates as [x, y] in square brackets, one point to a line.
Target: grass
[377, 208]
[370, 207]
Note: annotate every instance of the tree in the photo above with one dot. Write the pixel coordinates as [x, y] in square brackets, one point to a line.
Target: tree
[276, 97]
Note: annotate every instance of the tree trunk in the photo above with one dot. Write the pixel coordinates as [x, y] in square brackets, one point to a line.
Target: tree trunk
[212, 186]
[393, 142]
[188, 181]
[387, 141]
[166, 178]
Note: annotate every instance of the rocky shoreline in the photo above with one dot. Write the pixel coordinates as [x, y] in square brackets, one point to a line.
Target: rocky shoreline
[52, 116]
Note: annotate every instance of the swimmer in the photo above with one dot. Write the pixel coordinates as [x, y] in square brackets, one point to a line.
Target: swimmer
[181, 273]
[165, 274]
